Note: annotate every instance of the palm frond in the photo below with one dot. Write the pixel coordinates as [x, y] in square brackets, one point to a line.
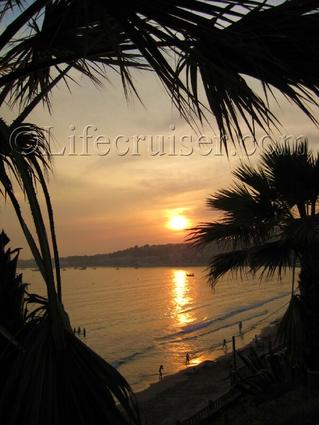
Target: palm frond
[216, 41]
[271, 258]
[56, 387]
[226, 233]
[233, 261]
[256, 179]
[25, 151]
[233, 200]
[26, 148]
[220, 56]
[248, 217]
[8, 6]
[7, 184]
[258, 210]
[291, 170]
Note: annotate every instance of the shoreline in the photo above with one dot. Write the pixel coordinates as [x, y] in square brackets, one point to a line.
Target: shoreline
[259, 328]
[180, 395]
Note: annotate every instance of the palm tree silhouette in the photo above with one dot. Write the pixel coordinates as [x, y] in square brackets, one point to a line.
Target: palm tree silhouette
[270, 223]
[214, 43]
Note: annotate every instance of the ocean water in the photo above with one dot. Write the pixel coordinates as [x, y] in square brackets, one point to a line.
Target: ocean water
[138, 319]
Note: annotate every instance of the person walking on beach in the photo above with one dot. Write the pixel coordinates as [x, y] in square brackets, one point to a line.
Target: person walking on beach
[225, 345]
[240, 326]
[187, 359]
[84, 332]
[160, 372]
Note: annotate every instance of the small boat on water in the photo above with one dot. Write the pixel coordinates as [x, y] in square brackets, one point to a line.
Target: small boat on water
[83, 268]
[190, 274]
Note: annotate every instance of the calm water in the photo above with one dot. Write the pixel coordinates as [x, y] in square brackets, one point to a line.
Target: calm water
[138, 319]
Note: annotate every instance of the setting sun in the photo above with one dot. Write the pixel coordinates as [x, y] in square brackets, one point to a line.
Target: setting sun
[178, 222]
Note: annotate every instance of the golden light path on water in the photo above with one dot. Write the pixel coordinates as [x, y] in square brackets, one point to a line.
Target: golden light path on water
[182, 299]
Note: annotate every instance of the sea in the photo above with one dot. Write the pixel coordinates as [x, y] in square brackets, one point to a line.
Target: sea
[140, 318]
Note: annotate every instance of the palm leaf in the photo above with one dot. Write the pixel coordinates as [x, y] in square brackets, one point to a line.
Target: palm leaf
[291, 170]
[215, 39]
[25, 149]
[235, 261]
[54, 387]
[249, 216]
[228, 234]
[271, 258]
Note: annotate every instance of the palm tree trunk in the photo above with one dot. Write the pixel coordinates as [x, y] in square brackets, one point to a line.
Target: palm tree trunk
[309, 293]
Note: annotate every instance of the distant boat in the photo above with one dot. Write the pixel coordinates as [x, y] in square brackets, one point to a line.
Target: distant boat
[35, 270]
[190, 274]
[83, 268]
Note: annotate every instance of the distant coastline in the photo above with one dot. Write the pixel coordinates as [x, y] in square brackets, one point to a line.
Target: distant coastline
[174, 255]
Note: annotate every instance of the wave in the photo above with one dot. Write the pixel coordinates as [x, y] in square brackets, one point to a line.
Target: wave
[205, 323]
[127, 359]
[188, 310]
[227, 325]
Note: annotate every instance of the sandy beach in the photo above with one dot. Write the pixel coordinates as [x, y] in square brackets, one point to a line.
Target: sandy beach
[179, 396]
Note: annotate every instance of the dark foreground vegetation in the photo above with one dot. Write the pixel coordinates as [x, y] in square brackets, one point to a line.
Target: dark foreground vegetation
[293, 407]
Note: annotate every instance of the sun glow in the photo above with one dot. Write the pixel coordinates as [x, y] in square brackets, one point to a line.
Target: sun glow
[178, 222]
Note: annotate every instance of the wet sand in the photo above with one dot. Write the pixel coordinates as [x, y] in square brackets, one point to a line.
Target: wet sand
[179, 396]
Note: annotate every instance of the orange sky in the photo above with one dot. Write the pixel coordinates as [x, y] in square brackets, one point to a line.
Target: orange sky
[106, 201]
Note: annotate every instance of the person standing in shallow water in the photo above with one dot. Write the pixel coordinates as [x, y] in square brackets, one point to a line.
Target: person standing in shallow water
[160, 372]
[187, 359]
[225, 345]
[240, 326]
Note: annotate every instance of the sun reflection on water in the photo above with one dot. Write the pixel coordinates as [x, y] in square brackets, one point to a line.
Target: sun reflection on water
[195, 361]
[182, 298]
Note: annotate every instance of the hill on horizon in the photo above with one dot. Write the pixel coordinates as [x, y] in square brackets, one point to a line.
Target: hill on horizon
[140, 256]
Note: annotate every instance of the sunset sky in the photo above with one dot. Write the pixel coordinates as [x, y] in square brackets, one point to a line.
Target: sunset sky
[108, 201]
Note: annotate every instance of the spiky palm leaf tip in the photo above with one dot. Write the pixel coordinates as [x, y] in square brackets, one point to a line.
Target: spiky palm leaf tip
[216, 45]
